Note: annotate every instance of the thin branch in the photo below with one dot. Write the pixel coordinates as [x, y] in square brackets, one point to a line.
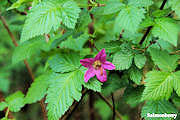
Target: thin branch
[109, 104]
[150, 27]
[25, 61]
[72, 109]
[91, 106]
[175, 52]
[114, 113]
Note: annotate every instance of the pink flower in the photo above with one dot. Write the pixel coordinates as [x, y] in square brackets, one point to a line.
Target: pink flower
[29, 8]
[97, 66]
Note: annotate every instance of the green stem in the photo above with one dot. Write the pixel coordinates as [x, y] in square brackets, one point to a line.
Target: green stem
[7, 112]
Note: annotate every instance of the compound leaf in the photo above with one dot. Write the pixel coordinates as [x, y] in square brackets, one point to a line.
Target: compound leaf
[48, 15]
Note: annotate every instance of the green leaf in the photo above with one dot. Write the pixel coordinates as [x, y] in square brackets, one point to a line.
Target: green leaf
[3, 105]
[114, 83]
[122, 61]
[108, 9]
[164, 61]
[140, 3]
[132, 96]
[140, 60]
[161, 13]
[27, 49]
[62, 92]
[159, 85]
[38, 88]
[15, 101]
[17, 4]
[48, 15]
[175, 5]
[92, 84]
[148, 21]
[158, 107]
[177, 82]
[64, 62]
[129, 19]
[75, 43]
[163, 28]
[135, 75]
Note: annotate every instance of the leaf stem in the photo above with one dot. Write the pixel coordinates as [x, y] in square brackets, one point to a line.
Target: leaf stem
[109, 104]
[5, 111]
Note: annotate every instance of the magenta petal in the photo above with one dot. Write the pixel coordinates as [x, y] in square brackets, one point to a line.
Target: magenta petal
[108, 65]
[101, 56]
[101, 77]
[87, 62]
[89, 74]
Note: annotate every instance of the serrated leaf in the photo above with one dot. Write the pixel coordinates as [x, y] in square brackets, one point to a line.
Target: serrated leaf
[122, 61]
[163, 28]
[158, 107]
[129, 19]
[175, 5]
[140, 3]
[140, 60]
[75, 43]
[38, 88]
[64, 62]
[3, 105]
[62, 92]
[135, 75]
[27, 49]
[48, 15]
[108, 9]
[15, 101]
[159, 85]
[177, 82]
[92, 84]
[164, 61]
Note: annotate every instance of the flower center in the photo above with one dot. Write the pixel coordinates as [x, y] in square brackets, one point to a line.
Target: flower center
[97, 64]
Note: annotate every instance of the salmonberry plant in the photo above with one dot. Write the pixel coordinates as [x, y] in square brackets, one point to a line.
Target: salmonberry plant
[124, 51]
